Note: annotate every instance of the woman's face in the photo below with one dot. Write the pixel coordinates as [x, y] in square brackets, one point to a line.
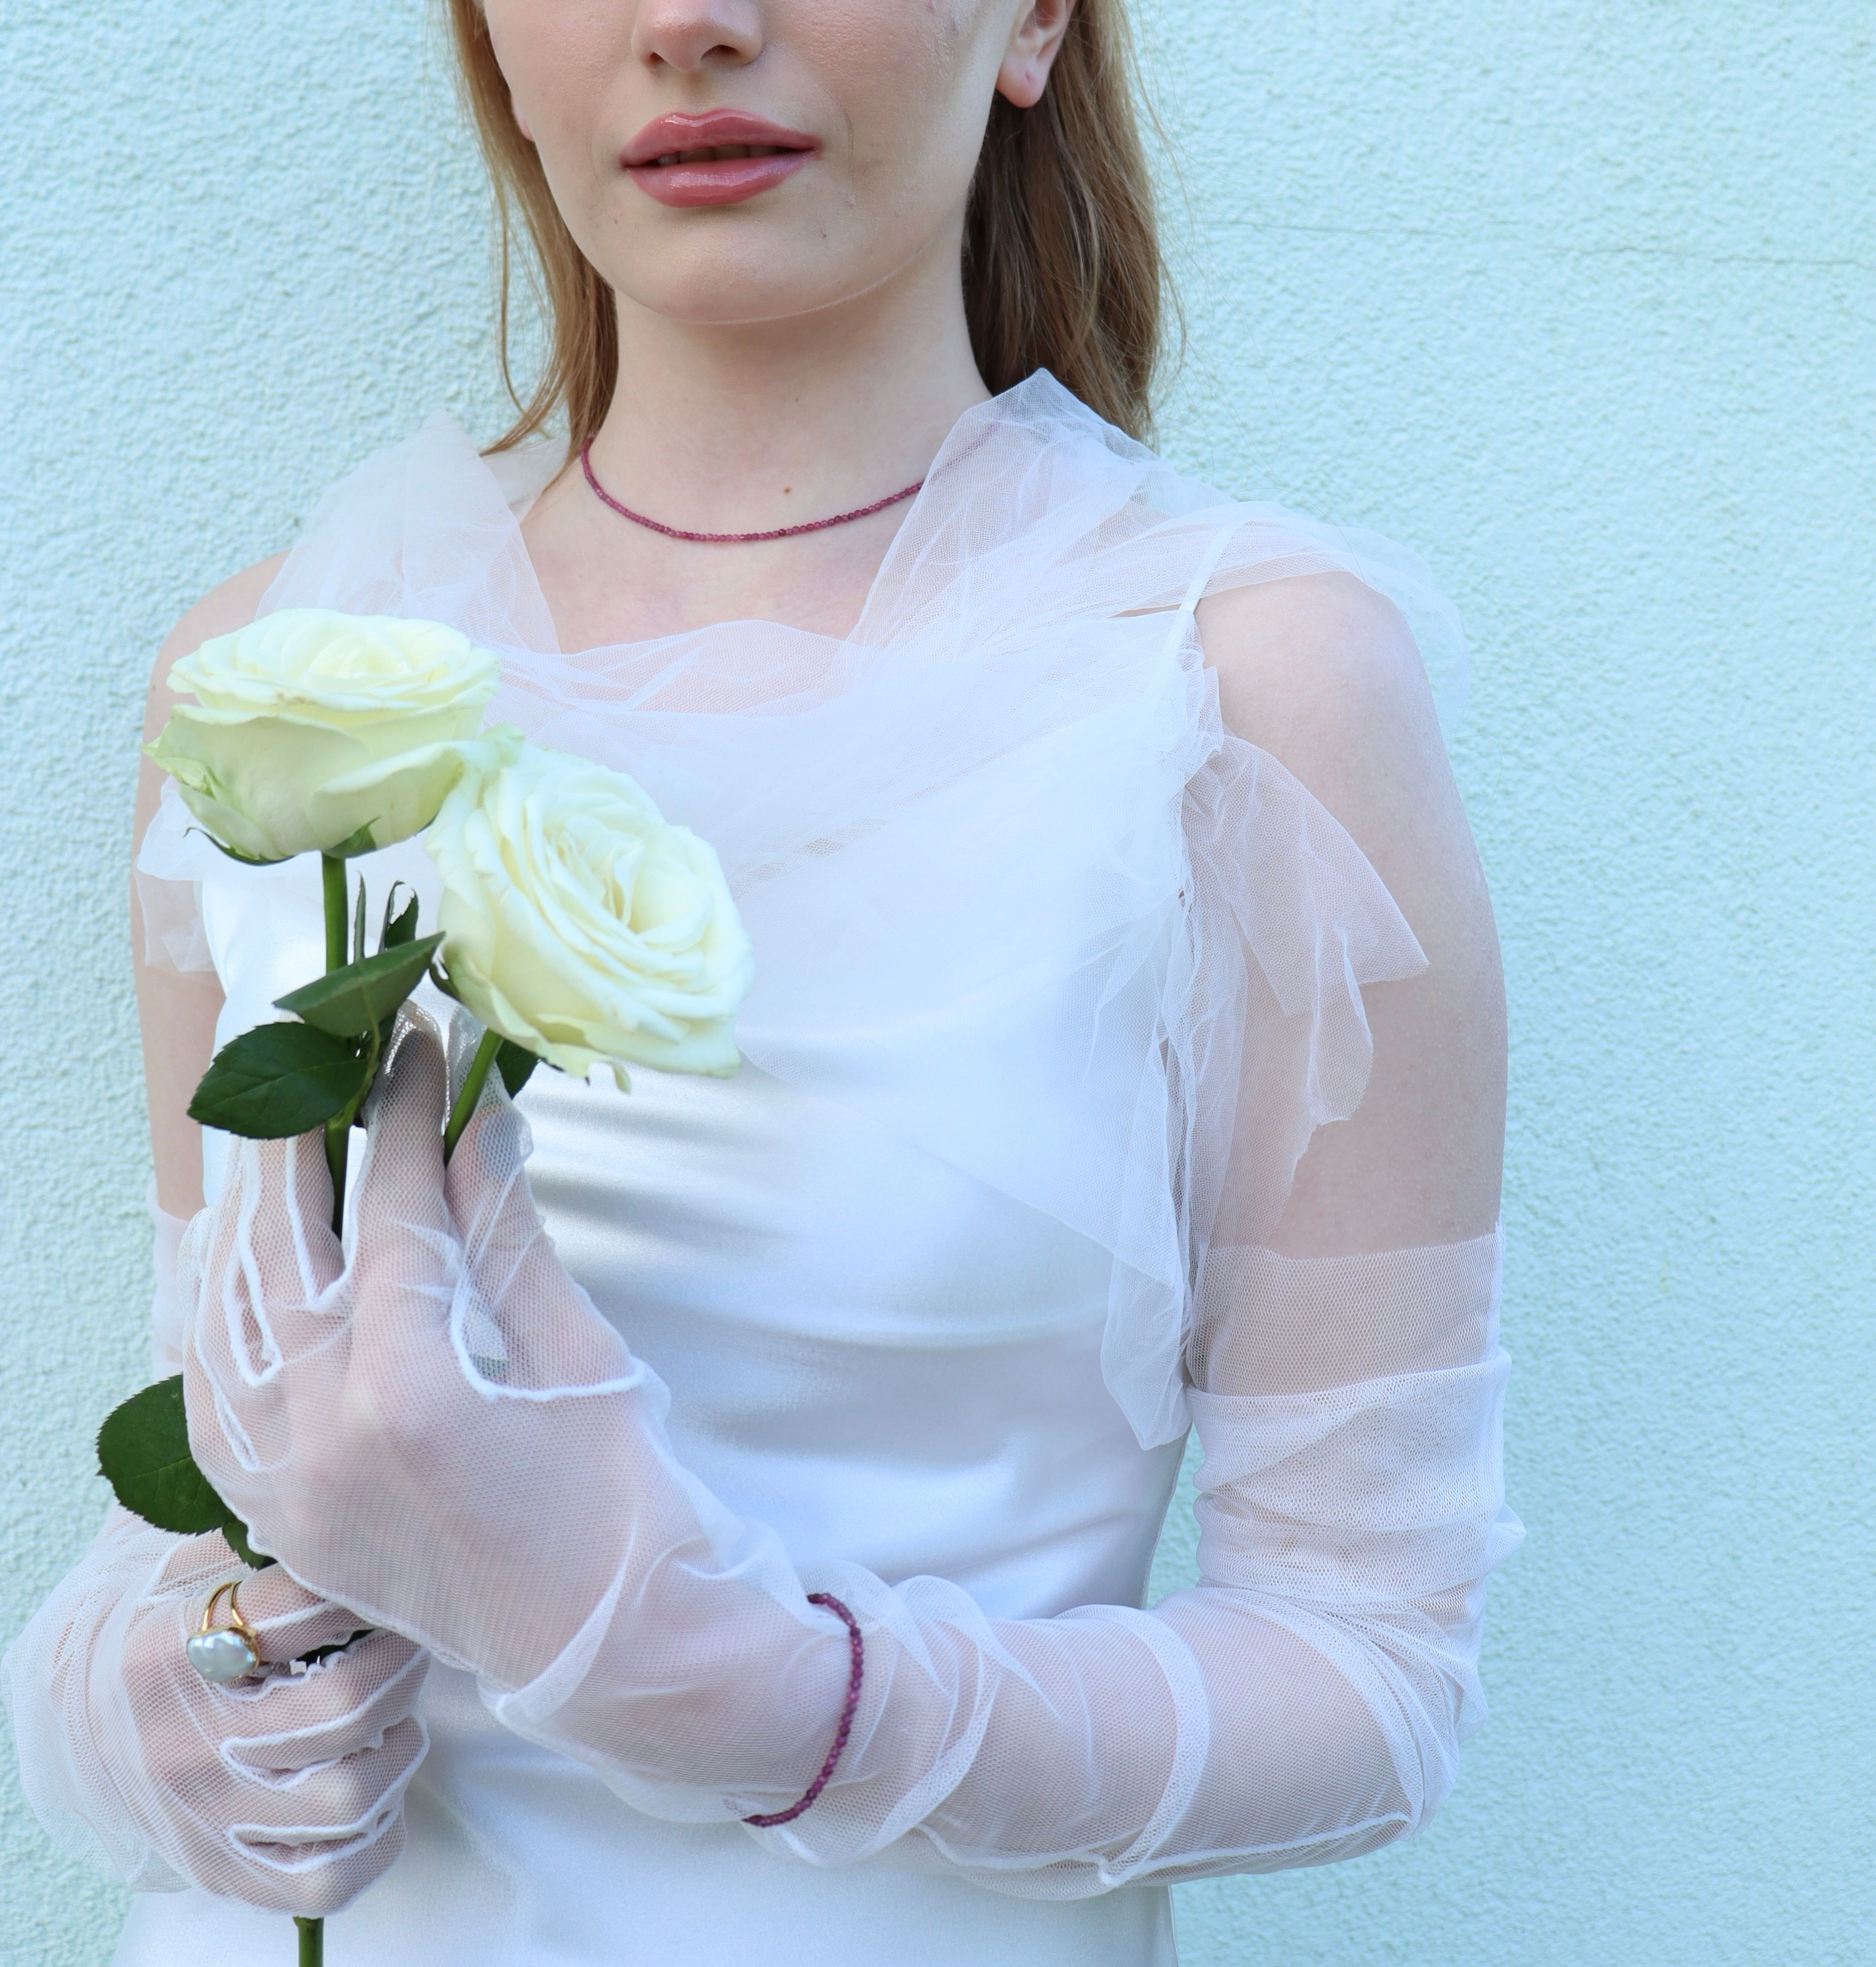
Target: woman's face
[742, 160]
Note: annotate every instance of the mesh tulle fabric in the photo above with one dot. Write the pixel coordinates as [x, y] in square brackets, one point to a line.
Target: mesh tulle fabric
[1305, 1702]
[1017, 895]
[286, 1790]
[1009, 783]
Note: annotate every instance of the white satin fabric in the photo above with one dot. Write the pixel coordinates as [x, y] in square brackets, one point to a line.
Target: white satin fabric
[922, 1280]
[918, 1390]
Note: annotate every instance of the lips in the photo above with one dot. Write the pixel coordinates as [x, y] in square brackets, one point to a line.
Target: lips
[720, 156]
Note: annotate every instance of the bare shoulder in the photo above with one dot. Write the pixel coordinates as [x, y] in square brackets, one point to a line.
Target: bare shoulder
[223, 608]
[1322, 672]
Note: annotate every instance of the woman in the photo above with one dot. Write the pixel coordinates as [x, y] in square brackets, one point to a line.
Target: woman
[1127, 1053]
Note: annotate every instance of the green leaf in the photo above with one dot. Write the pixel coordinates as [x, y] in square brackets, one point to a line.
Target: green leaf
[375, 1040]
[516, 1064]
[279, 1080]
[354, 1001]
[142, 1450]
[398, 929]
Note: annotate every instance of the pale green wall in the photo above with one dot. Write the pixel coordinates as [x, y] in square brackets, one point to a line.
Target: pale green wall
[1577, 299]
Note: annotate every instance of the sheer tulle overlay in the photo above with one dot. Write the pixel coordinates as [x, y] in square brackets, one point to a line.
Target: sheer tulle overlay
[1056, 978]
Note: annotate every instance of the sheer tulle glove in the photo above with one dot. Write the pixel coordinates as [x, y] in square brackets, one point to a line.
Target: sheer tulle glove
[377, 1414]
[443, 1432]
[284, 1790]
[435, 1425]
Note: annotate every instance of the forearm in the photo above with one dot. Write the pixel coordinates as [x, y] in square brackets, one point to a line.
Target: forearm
[448, 1437]
[1306, 1701]
[1230, 1729]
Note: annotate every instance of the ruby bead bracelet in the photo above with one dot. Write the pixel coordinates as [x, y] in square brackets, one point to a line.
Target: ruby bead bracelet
[856, 1675]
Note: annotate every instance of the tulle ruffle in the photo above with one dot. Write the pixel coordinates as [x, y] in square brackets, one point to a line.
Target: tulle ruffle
[1014, 890]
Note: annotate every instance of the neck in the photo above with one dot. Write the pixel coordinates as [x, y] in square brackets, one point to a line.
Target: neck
[758, 425]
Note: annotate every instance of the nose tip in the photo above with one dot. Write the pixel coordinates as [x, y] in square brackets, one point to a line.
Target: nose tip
[689, 35]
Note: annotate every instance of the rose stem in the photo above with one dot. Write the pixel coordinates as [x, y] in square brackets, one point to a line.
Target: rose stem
[312, 1932]
[465, 1104]
[339, 1132]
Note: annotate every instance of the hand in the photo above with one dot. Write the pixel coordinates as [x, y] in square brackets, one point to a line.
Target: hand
[427, 1425]
[437, 1427]
[284, 1790]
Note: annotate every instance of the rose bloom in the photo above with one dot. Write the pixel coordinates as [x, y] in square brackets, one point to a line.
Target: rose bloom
[578, 923]
[314, 731]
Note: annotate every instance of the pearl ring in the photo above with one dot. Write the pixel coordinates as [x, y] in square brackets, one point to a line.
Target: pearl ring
[225, 1653]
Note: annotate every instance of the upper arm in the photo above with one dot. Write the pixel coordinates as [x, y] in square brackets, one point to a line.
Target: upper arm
[1322, 673]
[177, 1013]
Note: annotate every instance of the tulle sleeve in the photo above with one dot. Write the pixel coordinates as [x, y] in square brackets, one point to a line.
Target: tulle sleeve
[1015, 786]
[56, 1669]
[1305, 1702]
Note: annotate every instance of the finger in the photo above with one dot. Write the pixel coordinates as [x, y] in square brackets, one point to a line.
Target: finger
[486, 1181]
[314, 1881]
[340, 1706]
[266, 1293]
[401, 1221]
[197, 1565]
[290, 1621]
[281, 1211]
[332, 1803]
[549, 1332]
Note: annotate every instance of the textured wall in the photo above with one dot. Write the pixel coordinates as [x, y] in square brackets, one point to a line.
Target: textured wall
[1578, 299]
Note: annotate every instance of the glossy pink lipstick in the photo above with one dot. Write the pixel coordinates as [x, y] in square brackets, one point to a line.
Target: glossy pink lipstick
[719, 156]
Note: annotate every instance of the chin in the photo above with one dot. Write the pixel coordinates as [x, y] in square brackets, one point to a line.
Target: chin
[724, 284]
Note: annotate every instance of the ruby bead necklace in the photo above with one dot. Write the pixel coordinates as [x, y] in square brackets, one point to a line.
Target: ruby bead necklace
[734, 539]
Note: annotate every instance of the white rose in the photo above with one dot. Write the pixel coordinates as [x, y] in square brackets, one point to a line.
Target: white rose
[313, 730]
[579, 924]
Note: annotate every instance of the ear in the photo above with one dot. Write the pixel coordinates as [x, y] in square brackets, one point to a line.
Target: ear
[1034, 44]
[521, 122]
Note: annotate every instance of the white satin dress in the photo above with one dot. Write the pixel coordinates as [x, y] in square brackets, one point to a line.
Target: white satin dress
[881, 1356]
[928, 1280]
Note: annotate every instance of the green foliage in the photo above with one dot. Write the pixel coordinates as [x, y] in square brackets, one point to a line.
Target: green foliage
[516, 1064]
[143, 1453]
[142, 1449]
[281, 1080]
[234, 1534]
[354, 1002]
[401, 929]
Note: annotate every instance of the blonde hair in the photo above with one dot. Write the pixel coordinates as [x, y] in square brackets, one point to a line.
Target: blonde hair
[1062, 266]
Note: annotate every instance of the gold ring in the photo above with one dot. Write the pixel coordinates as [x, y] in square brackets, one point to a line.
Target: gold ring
[225, 1653]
